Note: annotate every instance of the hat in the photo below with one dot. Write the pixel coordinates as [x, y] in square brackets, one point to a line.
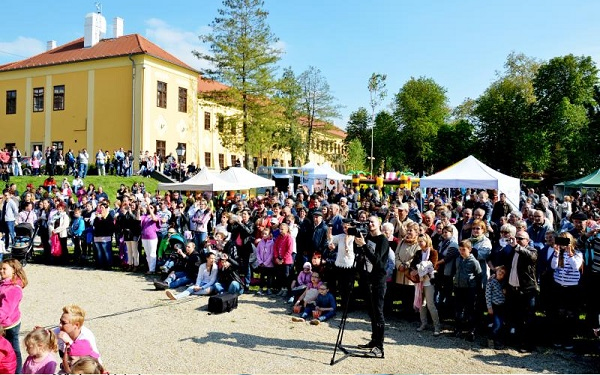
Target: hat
[82, 348]
[317, 213]
[579, 216]
[403, 206]
[307, 265]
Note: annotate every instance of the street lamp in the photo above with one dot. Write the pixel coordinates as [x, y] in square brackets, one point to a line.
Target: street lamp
[180, 150]
[371, 157]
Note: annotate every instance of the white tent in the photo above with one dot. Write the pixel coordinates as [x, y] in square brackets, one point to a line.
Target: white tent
[332, 174]
[313, 170]
[471, 173]
[243, 179]
[204, 180]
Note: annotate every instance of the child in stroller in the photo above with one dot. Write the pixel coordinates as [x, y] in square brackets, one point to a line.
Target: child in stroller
[167, 250]
[24, 234]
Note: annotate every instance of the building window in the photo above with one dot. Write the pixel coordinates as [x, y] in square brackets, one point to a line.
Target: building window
[220, 122]
[206, 120]
[221, 161]
[60, 145]
[11, 102]
[59, 98]
[207, 159]
[233, 160]
[38, 99]
[234, 128]
[182, 100]
[264, 162]
[161, 148]
[161, 94]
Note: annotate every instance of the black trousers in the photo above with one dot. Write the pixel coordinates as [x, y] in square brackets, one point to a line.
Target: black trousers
[377, 288]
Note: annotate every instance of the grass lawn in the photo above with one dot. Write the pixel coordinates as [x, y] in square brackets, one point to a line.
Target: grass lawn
[110, 184]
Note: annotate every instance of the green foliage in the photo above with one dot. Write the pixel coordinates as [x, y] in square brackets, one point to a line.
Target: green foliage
[386, 140]
[288, 96]
[358, 128]
[453, 143]
[356, 156]
[421, 108]
[243, 57]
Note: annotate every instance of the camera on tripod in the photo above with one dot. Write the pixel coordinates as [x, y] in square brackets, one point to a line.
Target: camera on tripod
[357, 227]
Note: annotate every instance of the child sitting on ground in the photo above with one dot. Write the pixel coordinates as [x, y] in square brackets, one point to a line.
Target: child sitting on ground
[41, 345]
[494, 298]
[311, 292]
[323, 308]
[302, 281]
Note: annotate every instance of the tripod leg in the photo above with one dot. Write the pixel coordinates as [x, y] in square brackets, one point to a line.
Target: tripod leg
[340, 336]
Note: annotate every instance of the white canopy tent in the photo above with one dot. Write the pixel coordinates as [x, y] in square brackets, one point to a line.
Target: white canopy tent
[204, 180]
[332, 174]
[313, 170]
[243, 179]
[471, 173]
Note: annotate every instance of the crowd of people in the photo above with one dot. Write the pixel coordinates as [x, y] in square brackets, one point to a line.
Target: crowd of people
[469, 260]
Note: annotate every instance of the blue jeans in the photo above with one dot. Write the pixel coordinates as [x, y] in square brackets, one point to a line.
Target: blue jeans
[12, 335]
[9, 233]
[178, 279]
[498, 320]
[199, 238]
[82, 170]
[234, 288]
[103, 254]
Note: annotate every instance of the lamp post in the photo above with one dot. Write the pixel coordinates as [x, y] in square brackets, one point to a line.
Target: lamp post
[180, 150]
[371, 157]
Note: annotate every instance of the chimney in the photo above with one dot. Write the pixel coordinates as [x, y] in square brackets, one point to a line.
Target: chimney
[51, 44]
[117, 27]
[94, 29]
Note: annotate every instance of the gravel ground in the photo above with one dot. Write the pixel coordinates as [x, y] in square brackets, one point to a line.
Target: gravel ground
[139, 330]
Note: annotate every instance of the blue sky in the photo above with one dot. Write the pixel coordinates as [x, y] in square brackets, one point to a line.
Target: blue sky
[461, 44]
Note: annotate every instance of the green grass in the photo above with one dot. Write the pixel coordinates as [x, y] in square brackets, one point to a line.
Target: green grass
[110, 184]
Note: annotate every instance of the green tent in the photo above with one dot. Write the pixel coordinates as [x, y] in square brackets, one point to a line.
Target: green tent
[591, 180]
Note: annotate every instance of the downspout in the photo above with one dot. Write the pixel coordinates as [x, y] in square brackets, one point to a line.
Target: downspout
[132, 106]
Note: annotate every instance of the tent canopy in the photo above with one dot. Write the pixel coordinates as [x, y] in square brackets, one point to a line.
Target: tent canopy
[243, 179]
[471, 173]
[204, 180]
[332, 174]
[591, 180]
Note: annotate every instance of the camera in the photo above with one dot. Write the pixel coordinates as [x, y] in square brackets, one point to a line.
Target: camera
[357, 227]
[562, 241]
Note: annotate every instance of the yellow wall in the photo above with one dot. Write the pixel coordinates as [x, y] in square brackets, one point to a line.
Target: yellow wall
[12, 126]
[112, 101]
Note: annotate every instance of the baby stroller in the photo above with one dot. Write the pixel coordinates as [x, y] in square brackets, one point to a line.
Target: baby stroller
[167, 252]
[22, 249]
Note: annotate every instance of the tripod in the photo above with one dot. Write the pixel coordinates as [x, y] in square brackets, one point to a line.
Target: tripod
[340, 335]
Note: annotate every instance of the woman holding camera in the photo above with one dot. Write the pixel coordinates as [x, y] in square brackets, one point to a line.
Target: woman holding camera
[566, 263]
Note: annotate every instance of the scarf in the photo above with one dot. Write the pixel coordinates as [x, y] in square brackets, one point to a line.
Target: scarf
[474, 240]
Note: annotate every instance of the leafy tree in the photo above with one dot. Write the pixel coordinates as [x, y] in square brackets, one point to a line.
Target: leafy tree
[358, 127]
[386, 140]
[454, 142]
[356, 156]
[565, 90]
[317, 102]
[243, 57]
[289, 98]
[421, 108]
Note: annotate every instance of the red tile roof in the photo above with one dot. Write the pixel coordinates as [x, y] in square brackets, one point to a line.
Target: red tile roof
[208, 85]
[74, 51]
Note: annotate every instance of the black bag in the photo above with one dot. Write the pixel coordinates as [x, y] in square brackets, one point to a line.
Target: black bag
[222, 303]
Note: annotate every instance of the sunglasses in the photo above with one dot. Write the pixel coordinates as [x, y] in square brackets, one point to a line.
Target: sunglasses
[521, 238]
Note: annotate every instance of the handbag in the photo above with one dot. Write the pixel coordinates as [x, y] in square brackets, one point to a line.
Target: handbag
[56, 249]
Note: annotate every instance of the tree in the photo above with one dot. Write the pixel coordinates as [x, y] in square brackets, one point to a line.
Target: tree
[358, 127]
[317, 102]
[243, 57]
[386, 139]
[421, 108]
[377, 93]
[454, 142]
[356, 156]
[288, 97]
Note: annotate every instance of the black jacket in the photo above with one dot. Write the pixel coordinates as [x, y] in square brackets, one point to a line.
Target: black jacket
[526, 265]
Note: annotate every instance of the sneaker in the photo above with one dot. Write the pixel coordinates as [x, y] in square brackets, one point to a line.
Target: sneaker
[490, 325]
[375, 352]
[297, 319]
[259, 293]
[569, 347]
[291, 300]
[436, 332]
[269, 292]
[160, 285]
[315, 322]
[369, 345]
[422, 328]
[170, 295]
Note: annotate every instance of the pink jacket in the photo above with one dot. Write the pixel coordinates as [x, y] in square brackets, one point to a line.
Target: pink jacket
[10, 299]
[283, 248]
[264, 253]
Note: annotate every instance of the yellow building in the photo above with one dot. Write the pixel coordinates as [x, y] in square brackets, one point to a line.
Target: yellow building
[106, 93]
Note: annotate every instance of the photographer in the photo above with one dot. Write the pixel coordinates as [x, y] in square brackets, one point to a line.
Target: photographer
[344, 262]
[375, 248]
[242, 231]
[185, 270]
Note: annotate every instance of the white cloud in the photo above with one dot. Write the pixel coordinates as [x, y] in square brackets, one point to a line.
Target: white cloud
[179, 43]
[21, 48]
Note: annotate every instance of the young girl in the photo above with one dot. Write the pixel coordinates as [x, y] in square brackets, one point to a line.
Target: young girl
[41, 345]
[11, 293]
[309, 296]
[264, 258]
[302, 281]
[494, 299]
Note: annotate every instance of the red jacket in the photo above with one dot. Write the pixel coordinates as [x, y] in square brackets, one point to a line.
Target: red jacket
[10, 299]
[283, 248]
[8, 358]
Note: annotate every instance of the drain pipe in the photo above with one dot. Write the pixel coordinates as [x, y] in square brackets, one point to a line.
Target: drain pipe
[132, 106]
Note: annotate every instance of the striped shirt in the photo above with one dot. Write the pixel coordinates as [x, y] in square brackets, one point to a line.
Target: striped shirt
[569, 274]
[493, 293]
